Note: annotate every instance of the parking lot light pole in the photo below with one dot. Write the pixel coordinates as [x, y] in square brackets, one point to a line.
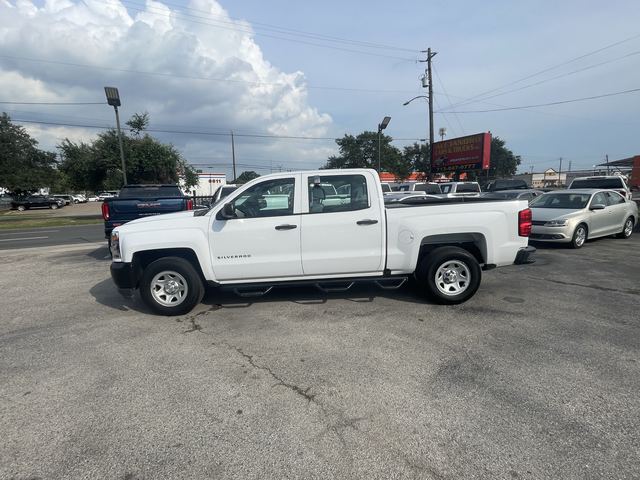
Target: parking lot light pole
[381, 126]
[113, 99]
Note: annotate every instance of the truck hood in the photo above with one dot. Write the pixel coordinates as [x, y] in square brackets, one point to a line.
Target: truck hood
[167, 217]
[546, 214]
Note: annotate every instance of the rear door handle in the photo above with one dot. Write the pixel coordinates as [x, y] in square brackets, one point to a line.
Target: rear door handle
[286, 226]
[367, 222]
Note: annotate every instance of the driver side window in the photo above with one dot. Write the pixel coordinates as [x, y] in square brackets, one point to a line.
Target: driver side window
[599, 198]
[272, 198]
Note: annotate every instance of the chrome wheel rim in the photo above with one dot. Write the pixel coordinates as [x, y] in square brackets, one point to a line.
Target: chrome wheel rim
[581, 236]
[628, 228]
[169, 288]
[452, 277]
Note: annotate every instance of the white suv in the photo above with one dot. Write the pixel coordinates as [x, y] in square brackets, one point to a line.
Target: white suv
[610, 182]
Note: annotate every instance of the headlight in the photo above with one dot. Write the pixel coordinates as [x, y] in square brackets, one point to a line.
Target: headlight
[115, 246]
[556, 223]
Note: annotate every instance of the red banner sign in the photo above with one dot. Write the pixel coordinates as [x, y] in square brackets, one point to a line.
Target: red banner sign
[460, 154]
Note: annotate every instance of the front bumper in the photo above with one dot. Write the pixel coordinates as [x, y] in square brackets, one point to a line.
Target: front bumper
[124, 275]
[540, 233]
[525, 255]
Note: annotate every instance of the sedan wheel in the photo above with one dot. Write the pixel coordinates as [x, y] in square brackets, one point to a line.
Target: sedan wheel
[21, 208]
[53, 206]
[579, 236]
[627, 229]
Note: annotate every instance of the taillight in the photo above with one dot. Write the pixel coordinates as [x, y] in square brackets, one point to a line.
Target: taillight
[105, 211]
[189, 204]
[524, 223]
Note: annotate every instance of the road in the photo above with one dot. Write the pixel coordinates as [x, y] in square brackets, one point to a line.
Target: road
[49, 236]
[536, 377]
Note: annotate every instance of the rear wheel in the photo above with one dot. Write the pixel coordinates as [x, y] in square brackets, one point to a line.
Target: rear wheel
[53, 206]
[579, 236]
[627, 228]
[21, 208]
[171, 286]
[449, 275]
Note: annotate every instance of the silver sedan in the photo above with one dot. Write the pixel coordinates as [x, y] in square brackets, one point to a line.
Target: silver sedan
[572, 216]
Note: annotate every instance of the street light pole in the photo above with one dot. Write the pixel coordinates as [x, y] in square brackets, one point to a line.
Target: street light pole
[381, 126]
[113, 99]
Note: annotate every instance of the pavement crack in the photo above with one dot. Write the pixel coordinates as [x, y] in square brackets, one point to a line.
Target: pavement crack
[595, 287]
[195, 326]
[304, 393]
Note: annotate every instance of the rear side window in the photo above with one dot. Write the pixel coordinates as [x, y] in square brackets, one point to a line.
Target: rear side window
[337, 193]
[386, 188]
[467, 187]
[598, 183]
[151, 191]
[445, 188]
[615, 198]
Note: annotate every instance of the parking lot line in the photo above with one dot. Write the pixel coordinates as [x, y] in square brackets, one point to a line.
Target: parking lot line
[23, 232]
[22, 238]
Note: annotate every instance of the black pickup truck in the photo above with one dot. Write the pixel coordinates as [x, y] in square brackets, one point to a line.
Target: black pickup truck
[138, 201]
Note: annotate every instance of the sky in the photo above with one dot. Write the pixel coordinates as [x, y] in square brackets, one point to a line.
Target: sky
[289, 77]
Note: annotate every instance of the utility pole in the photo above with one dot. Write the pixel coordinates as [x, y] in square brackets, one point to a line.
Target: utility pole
[569, 166]
[429, 85]
[560, 173]
[233, 155]
[607, 157]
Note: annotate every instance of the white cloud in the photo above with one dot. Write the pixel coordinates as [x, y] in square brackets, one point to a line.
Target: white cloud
[103, 33]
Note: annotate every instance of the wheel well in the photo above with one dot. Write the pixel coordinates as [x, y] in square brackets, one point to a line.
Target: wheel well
[142, 259]
[474, 243]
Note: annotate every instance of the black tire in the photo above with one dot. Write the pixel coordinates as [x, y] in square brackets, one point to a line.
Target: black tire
[195, 288]
[626, 231]
[578, 239]
[53, 206]
[464, 267]
[21, 208]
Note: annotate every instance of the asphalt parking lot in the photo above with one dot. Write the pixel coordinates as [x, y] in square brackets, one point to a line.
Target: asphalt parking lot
[537, 376]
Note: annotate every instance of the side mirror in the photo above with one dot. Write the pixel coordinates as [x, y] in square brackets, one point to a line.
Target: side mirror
[597, 206]
[228, 211]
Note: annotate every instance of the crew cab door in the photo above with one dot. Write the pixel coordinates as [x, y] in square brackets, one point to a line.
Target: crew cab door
[342, 224]
[262, 240]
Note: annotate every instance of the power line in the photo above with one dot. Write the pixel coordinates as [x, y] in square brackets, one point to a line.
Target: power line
[550, 103]
[332, 47]
[53, 103]
[553, 67]
[573, 72]
[195, 77]
[284, 30]
[448, 99]
[185, 132]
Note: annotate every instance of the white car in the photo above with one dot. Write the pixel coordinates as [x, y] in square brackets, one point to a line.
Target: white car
[279, 230]
[573, 216]
[460, 189]
[610, 182]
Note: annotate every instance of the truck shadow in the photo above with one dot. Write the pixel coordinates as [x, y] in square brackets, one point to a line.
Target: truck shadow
[107, 294]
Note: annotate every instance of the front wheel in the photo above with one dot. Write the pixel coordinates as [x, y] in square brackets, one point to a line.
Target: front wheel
[579, 236]
[171, 286]
[449, 275]
[53, 206]
[627, 229]
[21, 208]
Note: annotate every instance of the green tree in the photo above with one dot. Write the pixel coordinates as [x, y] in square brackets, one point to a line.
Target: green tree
[245, 177]
[23, 166]
[417, 155]
[362, 152]
[97, 166]
[504, 163]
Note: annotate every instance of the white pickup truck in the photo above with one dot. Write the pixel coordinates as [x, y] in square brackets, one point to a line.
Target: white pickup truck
[290, 228]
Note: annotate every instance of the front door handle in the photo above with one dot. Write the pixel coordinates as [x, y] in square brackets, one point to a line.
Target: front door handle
[367, 222]
[286, 226]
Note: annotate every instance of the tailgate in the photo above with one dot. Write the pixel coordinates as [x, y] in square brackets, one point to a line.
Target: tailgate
[126, 209]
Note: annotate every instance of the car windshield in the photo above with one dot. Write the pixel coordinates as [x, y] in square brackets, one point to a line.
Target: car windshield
[568, 201]
[428, 188]
[151, 191]
[597, 183]
[446, 188]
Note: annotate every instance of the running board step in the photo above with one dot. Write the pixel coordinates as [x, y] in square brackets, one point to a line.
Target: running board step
[251, 293]
[391, 283]
[326, 287]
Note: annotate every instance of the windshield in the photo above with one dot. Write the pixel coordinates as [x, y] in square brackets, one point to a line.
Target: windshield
[428, 188]
[568, 201]
[598, 183]
[386, 188]
[446, 188]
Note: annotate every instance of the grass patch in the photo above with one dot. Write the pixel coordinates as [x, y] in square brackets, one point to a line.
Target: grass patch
[10, 222]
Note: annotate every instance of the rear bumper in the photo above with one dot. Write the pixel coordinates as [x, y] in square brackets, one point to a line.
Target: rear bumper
[525, 255]
[124, 275]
